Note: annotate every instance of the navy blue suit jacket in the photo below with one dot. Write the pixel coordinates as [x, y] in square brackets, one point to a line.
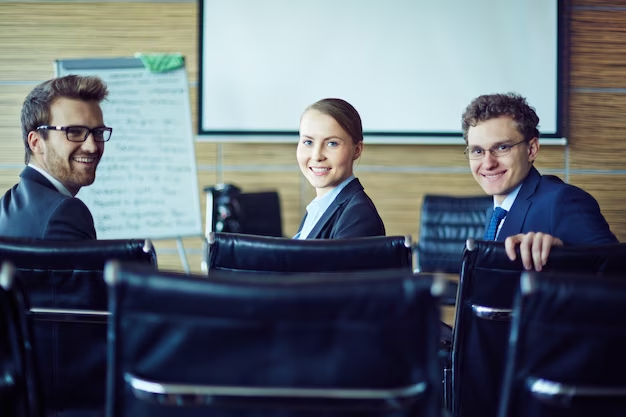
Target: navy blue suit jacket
[35, 209]
[352, 214]
[546, 204]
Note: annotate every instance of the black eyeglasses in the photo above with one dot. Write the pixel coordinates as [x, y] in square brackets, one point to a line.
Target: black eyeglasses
[499, 150]
[81, 133]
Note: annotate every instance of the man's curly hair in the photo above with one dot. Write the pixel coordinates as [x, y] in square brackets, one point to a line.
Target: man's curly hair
[491, 106]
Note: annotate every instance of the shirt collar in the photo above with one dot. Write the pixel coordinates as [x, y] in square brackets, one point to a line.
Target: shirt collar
[57, 184]
[510, 199]
[318, 207]
[329, 197]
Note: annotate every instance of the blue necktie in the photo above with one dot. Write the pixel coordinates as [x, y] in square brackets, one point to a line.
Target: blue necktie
[498, 214]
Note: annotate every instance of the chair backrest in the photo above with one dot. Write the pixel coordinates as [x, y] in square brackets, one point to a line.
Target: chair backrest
[362, 344]
[18, 386]
[261, 254]
[566, 349]
[229, 210]
[489, 281]
[446, 222]
[260, 213]
[67, 301]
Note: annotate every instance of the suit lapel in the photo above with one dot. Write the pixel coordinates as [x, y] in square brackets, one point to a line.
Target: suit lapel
[352, 188]
[516, 216]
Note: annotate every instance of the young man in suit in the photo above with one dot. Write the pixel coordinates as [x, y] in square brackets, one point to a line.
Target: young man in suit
[64, 134]
[537, 211]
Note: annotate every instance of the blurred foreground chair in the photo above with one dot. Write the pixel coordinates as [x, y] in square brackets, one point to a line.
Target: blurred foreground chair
[19, 391]
[363, 344]
[446, 222]
[225, 252]
[489, 281]
[66, 298]
[566, 348]
[229, 210]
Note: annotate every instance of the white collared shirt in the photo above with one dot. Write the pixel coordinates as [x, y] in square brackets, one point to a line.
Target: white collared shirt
[57, 184]
[318, 206]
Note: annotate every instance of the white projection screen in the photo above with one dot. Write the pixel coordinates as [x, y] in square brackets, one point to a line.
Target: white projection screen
[410, 67]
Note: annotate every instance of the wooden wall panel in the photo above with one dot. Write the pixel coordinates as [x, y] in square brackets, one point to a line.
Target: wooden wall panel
[597, 3]
[8, 178]
[597, 105]
[243, 154]
[11, 99]
[447, 315]
[550, 158]
[398, 196]
[206, 153]
[598, 48]
[447, 156]
[598, 127]
[169, 257]
[188, 242]
[11, 146]
[172, 262]
[33, 35]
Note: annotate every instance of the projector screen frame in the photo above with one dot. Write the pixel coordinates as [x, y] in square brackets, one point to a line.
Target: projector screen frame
[399, 138]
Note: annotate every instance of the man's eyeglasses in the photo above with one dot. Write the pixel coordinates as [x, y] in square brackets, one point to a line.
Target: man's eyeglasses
[81, 133]
[476, 152]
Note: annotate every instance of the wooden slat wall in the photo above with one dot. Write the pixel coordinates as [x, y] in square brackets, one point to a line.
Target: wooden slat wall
[34, 34]
[597, 105]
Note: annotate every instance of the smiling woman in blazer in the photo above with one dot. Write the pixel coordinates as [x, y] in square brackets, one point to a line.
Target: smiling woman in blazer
[331, 139]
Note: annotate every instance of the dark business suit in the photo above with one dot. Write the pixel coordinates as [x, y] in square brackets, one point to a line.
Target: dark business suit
[351, 214]
[546, 204]
[35, 209]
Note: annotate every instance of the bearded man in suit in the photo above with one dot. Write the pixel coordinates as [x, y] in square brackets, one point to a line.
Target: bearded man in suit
[63, 133]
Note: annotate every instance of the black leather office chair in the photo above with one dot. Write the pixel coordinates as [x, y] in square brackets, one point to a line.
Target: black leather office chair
[19, 392]
[446, 222]
[225, 252]
[489, 281]
[230, 210]
[566, 349]
[66, 299]
[228, 253]
[364, 344]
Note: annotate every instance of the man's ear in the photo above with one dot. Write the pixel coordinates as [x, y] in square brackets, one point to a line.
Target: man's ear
[533, 149]
[35, 142]
[357, 151]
